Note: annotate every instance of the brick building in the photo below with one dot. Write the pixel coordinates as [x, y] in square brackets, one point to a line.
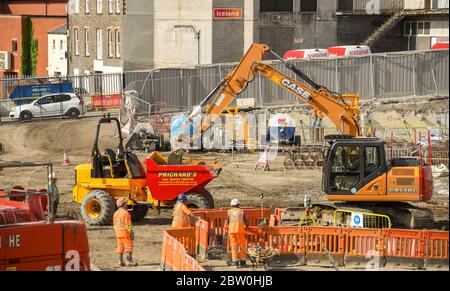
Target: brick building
[27, 23]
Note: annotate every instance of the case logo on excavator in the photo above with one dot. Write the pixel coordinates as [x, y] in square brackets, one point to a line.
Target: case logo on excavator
[296, 89]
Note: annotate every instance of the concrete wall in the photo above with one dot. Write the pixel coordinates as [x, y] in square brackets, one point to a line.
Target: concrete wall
[299, 29]
[176, 46]
[251, 18]
[138, 35]
[228, 34]
[57, 61]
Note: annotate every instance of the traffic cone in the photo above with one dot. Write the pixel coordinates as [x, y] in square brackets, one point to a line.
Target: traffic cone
[66, 159]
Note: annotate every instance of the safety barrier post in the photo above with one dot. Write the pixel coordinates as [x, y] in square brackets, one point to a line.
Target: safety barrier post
[273, 220]
[177, 250]
[364, 248]
[169, 254]
[201, 239]
[436, 249]
[163, 251]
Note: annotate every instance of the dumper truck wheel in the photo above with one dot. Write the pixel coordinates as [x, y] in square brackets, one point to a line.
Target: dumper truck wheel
[209, 197]
[195, 200]
[139, 212]
[97, 208]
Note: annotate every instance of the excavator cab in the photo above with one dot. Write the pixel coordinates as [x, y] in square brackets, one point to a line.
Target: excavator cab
[356, 169]
[353, 163]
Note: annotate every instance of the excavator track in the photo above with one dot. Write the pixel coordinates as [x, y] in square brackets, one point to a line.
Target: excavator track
[402, 215]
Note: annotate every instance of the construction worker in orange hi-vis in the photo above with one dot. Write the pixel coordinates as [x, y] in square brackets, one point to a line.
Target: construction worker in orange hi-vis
[236, 224]
[124, 233]
[182, 213]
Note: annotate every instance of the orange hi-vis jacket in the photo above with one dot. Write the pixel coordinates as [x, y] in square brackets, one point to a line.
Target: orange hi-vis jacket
[122, 223]
[181, 215]
[236, 221]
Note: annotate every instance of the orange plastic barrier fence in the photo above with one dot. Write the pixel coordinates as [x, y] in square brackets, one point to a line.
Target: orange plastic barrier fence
[176, 248]
[403, 243]
[364, 246]
[186, 236]
[360, 241]
[106, 101]
[436, 244]
[324, 239]
[287, 239]
[216, 220]
[201, 238]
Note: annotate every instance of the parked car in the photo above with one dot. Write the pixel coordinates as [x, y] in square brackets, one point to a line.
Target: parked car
[61, 104]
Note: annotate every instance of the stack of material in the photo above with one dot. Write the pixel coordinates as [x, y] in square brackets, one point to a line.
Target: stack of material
[439, 171]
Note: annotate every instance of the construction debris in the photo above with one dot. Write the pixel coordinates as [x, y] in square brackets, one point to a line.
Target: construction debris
[440, 171]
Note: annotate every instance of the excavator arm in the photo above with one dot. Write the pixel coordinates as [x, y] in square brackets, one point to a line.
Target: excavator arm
[342, 110]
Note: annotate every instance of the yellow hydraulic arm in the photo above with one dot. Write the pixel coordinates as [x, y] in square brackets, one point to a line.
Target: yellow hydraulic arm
[343, 110]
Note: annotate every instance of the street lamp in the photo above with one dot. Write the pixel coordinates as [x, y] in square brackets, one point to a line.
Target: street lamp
[196, 36]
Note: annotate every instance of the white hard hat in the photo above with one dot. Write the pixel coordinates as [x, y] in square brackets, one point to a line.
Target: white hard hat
[235, 202]
[52, 175]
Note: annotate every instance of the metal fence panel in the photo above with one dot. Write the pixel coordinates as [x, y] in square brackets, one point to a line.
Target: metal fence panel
[379, 75]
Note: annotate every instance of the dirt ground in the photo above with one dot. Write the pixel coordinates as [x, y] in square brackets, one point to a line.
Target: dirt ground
[45, 141]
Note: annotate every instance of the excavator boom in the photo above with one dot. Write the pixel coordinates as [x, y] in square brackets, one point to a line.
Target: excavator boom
[342, 110]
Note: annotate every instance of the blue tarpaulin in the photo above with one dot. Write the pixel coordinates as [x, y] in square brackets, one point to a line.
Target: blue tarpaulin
[24, 94]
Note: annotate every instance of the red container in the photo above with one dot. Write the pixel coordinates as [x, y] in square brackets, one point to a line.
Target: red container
[166, 182]
[106, 101]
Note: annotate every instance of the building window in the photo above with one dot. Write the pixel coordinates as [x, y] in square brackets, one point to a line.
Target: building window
[345, 5]
[308, 6]
[87, 7]
[276, 5]
[99, 44]
[61, 45]
[99, 6]
[118, 43]
[110, 43]
[86, 42]
[54, 45]
[414, 28]
[14, 46]
[110, 7]
[76, 6]
[118, 6]
[77, 41]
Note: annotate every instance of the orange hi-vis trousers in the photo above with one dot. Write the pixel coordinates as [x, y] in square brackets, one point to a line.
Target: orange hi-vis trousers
[237, 246]
[124, 245]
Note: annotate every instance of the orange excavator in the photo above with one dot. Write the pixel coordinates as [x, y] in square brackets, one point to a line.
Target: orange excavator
[356, 169]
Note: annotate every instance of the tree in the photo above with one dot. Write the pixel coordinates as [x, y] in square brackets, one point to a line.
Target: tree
[30, 49]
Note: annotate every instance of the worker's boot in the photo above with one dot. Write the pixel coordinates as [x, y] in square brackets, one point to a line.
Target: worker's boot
[121, 263]
[129, 259]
